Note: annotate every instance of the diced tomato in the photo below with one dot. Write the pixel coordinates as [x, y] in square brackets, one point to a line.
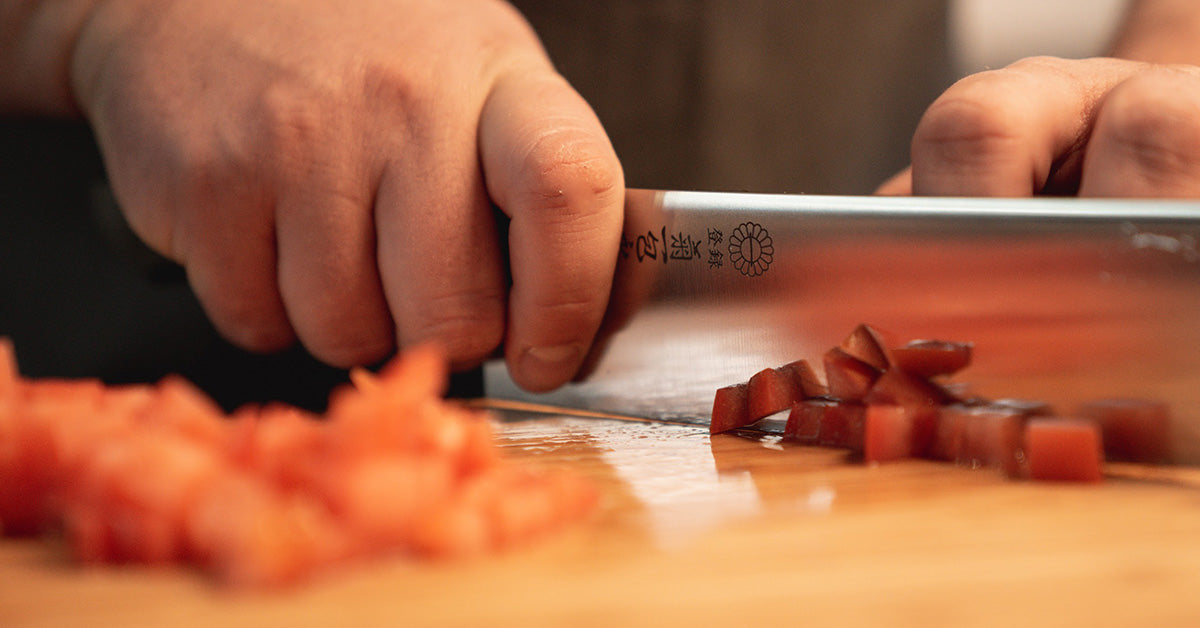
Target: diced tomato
[379, 499]
[898, 387]
[453, 530]
[806, 378]
[804, 421]
[994, 438]
[420, 372]
[951, 433]
[730, 410]
[140, 484]
[848, 377]
[827, 422]
[181, 408]
[250, 535]
[1063, 449]
[889, 433]
[152, 474]
[869, 344]
[29, 459]
[1136, 430]
[931, 358]
[772, 390]
[286, 446]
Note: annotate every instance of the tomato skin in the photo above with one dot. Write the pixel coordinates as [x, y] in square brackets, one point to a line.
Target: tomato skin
[1064, 450]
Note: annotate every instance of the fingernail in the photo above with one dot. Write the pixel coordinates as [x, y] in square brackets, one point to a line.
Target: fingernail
[543, 368]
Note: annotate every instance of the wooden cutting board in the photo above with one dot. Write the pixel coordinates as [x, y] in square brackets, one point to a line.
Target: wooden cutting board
[728, 530]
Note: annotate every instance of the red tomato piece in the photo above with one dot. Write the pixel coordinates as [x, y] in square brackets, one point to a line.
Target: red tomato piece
[931, 358]
[950, 433]
[844, 426]
[772, 390]
[827, 422]
[1136, 430]
[179, 406]
[848, 377]
[869, 344]
[29, 464]
[804, 421]
[806, 378]
[994, 438]
[730, 410]
[897, 387]
[1063, 449]
[888, 433]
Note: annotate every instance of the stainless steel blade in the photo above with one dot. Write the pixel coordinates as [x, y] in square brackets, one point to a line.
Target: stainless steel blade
[1066, 300]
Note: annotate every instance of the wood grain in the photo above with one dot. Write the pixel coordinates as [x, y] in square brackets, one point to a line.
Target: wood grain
[728, 530]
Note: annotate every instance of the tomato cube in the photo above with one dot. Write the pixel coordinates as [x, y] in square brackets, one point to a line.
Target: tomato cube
[1137, 430]
[848, 377]
[931, 358]
[827, 422]
[869, 344]
[730, 409]
[772, 390]
[888, 433]
[1063, 449]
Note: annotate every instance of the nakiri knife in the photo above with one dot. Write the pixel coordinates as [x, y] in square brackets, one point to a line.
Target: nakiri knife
[1066, 300]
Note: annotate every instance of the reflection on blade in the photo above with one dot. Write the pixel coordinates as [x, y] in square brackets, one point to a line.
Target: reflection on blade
[1066, 300]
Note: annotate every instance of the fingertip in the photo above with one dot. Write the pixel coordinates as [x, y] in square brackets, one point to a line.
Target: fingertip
[257, 331]
[544, 368]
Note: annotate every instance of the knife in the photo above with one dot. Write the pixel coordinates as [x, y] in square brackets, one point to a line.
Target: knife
[1066, 300]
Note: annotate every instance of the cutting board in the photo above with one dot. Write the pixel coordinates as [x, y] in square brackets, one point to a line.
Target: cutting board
[725, 530]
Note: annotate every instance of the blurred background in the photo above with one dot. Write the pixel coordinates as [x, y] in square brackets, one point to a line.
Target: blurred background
[816, 97]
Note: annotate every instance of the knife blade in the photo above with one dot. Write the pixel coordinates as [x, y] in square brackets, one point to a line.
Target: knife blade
[1066, 300]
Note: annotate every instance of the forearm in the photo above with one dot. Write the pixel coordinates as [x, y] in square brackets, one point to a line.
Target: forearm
[37, 41]
[1160, 31]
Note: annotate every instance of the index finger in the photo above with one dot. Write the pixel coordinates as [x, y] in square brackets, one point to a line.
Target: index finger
[549, 166]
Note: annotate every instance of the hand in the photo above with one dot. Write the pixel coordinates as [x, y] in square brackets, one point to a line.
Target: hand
[327, 171]
[1097, 127]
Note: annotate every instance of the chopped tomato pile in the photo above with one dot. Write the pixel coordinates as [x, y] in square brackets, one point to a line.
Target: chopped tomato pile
[887, 401]
[268, 495]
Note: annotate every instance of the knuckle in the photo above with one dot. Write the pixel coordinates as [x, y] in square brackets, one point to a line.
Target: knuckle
[1156, 128]
[970, 125]
[295, 122]
[245, 325]
[568, 170]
